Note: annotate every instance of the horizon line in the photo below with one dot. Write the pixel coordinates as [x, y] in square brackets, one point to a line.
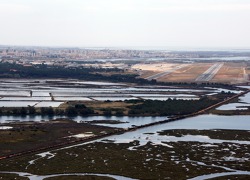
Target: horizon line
[204, 48]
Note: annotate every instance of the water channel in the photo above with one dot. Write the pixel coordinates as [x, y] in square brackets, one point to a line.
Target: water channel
[201, 122]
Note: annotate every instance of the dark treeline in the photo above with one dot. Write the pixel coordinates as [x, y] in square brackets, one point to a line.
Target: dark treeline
[139, 108]
[170, 107]
[45, 71]
[8, 70]
[78, 109]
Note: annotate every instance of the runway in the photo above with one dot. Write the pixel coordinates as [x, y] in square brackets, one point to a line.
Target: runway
[210, 72]
[156, 76]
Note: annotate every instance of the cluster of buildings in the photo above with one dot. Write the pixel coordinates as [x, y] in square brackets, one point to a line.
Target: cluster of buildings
[36, 53]
[96, 57]
[74, 57]
[65, 57]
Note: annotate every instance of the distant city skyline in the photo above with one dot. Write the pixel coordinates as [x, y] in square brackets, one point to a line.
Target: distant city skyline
[126, 23]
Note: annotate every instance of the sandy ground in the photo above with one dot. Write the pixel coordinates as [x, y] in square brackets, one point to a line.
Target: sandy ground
[231, 72]
[156, 67]
[186, 74]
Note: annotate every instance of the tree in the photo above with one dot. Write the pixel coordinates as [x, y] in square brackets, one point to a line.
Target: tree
[70, 111]
[59, 112]
[23, 111]
[15, 111]
[31, 110]
[119, 113]
[47, 110]
[107, 112]
[80, 106]
[86, 111]
[50, 111]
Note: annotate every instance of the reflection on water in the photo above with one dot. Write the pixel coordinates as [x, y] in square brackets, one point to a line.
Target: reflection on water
[233, 106]
[244, 103]
[145, 135]
[245, 98]
[13, 92]
[41, 177]
[208, 121]
[17, 103]
[199, 122]
[127, 121]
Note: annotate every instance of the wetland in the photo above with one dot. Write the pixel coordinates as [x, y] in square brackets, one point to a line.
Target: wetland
[203, 146]
[165, 151]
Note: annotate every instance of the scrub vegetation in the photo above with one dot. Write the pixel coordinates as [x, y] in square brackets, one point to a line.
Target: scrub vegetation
[176, 160]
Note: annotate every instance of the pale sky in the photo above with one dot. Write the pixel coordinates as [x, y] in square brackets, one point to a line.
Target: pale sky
[109, 23]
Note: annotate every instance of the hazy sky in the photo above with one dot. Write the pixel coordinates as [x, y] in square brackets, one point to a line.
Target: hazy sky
[188, 23]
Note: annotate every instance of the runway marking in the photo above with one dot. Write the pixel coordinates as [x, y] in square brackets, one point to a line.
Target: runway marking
[158, 75]
[210, 72]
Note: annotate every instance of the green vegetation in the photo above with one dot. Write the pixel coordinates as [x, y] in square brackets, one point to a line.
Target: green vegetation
[77, 109]
[80, 178]
[92, 74]
[176, 160]
[240, 135]
[230, 112]
[111, 158]
[119, 108]
[170, 107]
[45, 71]
[149, 161]
[173, 106]
[12, 176]
[33, 135]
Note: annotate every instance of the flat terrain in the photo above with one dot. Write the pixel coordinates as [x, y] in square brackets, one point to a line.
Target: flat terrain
[229, 72]
[36, 96]
[174, 157]
[156, 67]
[26, 136]
[186, 74]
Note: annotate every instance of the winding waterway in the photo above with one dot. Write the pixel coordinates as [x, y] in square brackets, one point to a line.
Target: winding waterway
[126, 121]
[151, 134]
